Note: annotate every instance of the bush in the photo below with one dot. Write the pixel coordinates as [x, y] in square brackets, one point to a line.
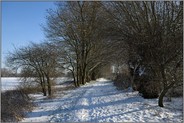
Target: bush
[149, 91]
[14, 104]
[147, 86]
[29, 86]
[30, 89]
[175, 92]
[122, 81]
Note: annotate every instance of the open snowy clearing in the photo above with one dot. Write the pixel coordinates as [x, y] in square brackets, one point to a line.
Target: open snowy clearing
[9, 83]
[100, 101]
[12, 83]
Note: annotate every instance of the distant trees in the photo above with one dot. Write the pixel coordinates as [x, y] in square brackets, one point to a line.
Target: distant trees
[38, 61]
[5, 72]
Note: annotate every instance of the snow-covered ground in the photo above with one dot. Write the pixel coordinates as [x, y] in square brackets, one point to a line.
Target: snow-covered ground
[100, 101]
[9, 83]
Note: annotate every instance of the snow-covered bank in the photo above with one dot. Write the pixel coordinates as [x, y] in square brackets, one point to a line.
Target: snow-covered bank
[100, 101]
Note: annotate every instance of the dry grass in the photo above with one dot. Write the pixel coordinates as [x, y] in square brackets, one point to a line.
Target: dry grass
[122, 81]
[62, 90]
[14, 105]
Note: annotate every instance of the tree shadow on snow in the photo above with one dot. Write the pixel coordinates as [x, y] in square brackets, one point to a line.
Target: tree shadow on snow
[103, 105]
[119, 114]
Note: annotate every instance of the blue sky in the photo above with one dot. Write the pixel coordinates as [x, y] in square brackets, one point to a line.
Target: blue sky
[21, 24]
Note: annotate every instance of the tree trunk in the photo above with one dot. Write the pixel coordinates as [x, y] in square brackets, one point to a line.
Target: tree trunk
[44, 91]
[44, 86]
[93, 76]
[74, 79]
[161, 96]
[133, 76]
[49, 86]
[80, 75]
[84, 76]
[132, 83]
[77, 74]
[42, 82]
[165, 88]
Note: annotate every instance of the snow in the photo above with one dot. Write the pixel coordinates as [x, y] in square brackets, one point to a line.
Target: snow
[100, 101]
[9, 83]
[61, 80]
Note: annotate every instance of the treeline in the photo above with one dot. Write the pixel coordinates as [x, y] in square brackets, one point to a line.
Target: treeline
[86, 37]
[5, 72]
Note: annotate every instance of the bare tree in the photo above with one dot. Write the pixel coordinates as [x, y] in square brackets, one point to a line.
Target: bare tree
[154, 30]
[38, 61]
[79, 26]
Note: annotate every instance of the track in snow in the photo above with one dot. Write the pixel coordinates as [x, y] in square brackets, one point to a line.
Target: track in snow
[101, 102]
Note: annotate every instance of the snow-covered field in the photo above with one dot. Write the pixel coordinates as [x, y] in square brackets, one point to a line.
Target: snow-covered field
[9, 83]
[100, 101]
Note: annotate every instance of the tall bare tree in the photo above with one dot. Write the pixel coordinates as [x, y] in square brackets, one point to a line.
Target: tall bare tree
[154, 29]
[79, 26]
[39, 61]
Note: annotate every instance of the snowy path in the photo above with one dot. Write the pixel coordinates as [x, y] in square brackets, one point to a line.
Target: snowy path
[101, 102]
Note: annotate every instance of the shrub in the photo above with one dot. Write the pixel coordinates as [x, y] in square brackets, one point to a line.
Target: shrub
[14, 104]
[147, 86]
[122, 81]
[175, 92]
[29, 86]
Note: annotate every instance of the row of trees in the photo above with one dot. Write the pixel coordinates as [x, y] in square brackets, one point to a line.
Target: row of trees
[5, 72]
[79, 26]
[154, 33]
[38, 62]
[85, 37]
